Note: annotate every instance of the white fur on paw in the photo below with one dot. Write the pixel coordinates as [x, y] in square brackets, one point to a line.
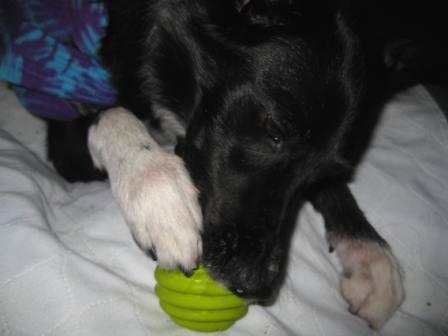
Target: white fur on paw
[152, 187]
[161, 206]
[371, 281]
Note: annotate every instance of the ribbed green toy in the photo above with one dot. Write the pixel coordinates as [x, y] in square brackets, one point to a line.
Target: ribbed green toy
[198, 302]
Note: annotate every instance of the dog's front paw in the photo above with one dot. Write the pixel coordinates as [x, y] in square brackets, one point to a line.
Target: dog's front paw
[371, 280]
[161, 207]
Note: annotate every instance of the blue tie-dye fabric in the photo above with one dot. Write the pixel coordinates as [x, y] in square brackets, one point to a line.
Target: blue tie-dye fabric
[48, 52]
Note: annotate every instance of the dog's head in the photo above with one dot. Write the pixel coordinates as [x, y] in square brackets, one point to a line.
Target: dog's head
[270, 128]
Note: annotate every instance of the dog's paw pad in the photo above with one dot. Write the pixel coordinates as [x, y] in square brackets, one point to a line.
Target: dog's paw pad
[371, 281]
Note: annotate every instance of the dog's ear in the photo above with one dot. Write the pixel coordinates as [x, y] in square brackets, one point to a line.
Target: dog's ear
[240, 4]
[283, 12]
[265, 12]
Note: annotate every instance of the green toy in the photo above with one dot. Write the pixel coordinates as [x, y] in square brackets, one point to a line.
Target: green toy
[198, 302]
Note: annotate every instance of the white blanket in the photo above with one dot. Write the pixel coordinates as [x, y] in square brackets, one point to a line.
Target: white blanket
[68, 265]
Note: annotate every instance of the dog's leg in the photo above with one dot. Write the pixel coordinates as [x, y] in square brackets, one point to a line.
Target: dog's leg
[67, 149]
[371, 281]
[152, 187]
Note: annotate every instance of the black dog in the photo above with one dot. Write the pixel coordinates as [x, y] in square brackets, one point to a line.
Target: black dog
[267, 100]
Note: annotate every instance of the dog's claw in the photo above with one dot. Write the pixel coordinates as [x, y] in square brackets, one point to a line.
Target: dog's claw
[152, 253]
[187, 272]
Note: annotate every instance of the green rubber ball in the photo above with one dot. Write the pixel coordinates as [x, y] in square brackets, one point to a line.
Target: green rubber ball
[198, 302]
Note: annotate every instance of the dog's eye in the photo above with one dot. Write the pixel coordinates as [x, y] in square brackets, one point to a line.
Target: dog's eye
[273, 130]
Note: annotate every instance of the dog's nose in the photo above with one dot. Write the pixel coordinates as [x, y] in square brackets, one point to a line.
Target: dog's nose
[253, 284]
[249, 265]
[259, 293]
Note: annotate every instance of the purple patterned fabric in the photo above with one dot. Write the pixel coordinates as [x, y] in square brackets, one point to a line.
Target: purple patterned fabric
[48, 53]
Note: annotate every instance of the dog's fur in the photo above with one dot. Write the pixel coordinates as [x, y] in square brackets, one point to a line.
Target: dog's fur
[267, 101]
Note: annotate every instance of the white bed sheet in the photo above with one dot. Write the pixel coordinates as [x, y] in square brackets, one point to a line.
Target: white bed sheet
[68, 265]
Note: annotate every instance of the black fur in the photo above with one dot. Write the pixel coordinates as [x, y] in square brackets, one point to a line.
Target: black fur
[269, 95]
[67, 149]
[279, 98]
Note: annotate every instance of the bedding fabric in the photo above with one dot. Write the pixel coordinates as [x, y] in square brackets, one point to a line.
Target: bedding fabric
[68, 265]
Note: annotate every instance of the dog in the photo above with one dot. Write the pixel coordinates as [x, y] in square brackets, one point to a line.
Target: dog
[267, 104]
